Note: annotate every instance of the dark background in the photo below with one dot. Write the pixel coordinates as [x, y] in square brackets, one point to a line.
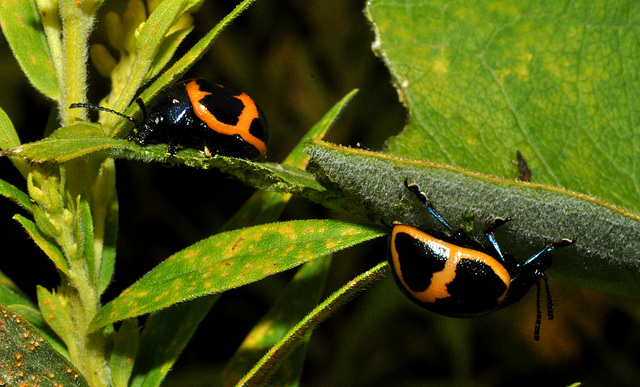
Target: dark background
[296, 59]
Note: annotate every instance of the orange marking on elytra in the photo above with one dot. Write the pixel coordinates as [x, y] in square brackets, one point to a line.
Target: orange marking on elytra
[249, 113]
[440, 279]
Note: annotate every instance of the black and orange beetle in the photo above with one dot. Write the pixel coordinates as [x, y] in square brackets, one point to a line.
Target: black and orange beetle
[455, 276]
[201, 114]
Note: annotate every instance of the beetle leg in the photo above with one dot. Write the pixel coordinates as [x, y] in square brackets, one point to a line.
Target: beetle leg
[491, 236]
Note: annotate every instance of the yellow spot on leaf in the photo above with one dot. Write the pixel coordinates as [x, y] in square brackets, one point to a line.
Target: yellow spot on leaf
[441, 65]
[350, 231]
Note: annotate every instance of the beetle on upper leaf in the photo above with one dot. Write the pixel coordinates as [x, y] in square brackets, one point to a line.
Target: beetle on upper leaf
[200, 114]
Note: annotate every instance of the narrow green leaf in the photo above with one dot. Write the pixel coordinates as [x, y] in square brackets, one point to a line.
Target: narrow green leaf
[50, 249]
[56, 314]
[22, 27]
[84, 237]
[195, 53]
[270, 176]
[14, 194]
[556, 81]
[260, 373]
[299, 158]
[300, 296]
[9, 139]
[149, 41]
[288, 370]
[106, 224]
[125, 347]
[231, 259]
[305, 288]
[8, 135]
[81, 139]
[605, 255]
[167, 49]
[10, 293]
[27, 359]
[152, 34]
[157, 353]
[67, 144]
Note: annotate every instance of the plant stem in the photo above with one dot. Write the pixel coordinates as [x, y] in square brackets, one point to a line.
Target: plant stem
[78, 20]
[82, 292]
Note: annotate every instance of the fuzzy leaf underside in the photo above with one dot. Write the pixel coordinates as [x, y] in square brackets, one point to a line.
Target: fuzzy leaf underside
[606, 252]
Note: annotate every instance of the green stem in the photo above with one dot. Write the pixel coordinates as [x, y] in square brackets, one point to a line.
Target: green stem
[59, 193]
[85, 293]
[78, 20]
[87, 349]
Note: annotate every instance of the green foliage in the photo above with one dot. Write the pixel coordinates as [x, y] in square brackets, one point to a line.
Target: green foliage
[24, 30]
[264, 368]
[126, 343]
[557, 81]
[305, 288]
[231, 259]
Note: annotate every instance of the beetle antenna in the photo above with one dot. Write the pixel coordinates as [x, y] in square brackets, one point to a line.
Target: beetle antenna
[100, 108]
[549, 297]
[536, 331]
[144, 110]
[428, 206]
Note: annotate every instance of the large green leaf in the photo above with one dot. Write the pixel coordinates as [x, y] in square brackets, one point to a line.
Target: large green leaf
[231, 259]
[557, 80]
